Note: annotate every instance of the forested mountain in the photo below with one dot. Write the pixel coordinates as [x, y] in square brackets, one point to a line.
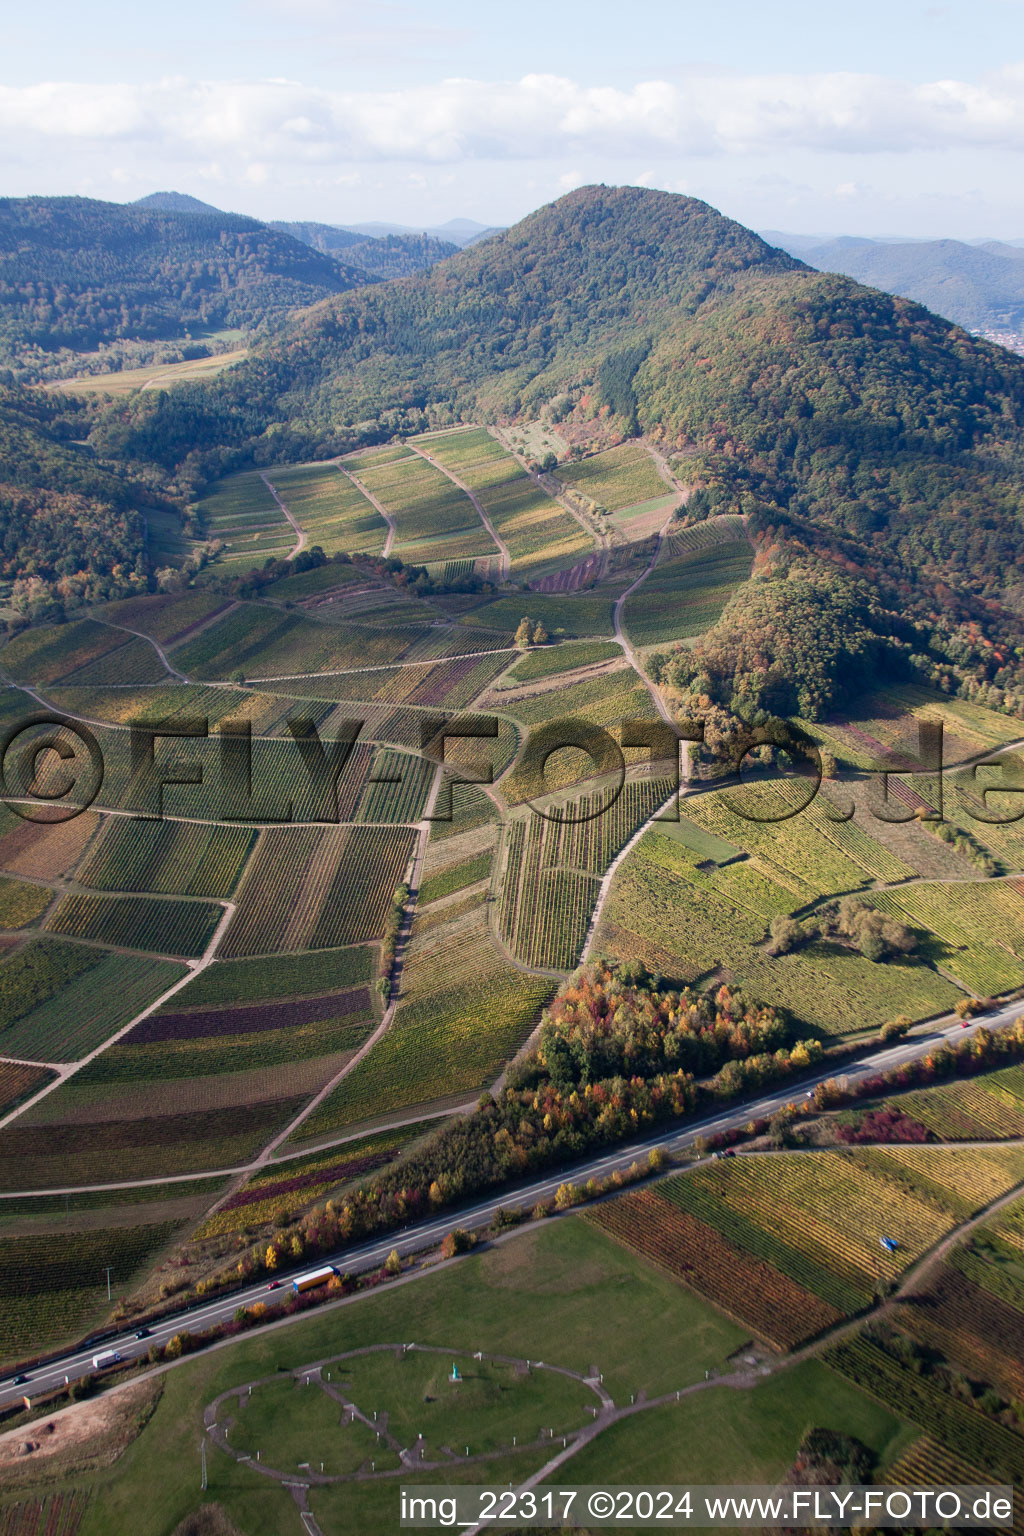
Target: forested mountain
[853, 427]
[175, 202]
[70, 528]
[384, 256]
[981, 287]
[76, 274]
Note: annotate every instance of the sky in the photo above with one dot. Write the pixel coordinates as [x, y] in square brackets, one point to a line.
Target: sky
[891, 117]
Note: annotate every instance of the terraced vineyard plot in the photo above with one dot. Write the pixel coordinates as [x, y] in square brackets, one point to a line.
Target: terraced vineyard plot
[549, 882]
[537, 531]
[749, 1289]
[18, 1082]
[22, 904]
[256, 1018]
[161, 927]
[133, 661]
[456, 877]
[447, 1041]
[50, 1156]
[298, 1182]
[396, 788]
[789, 1243]
[330, 509]
[91, 995]
[544, 911]
[603, 700]
[981, 924]
[434, 520]
[983, 1108]
[727, 527]
[51, 1291]
[233, 641]
[45, 654]
[974, 1434]
[279, 976]
[167, 617]
[803, 854]
[316, 888]
[327, 1038]
[39, 851]
[688, 928]
[886, 719]
[685, 596]
[618, 477]
[571, 614]
[549, 660]
[168, 856]
[372, 866]
[242, 513]
[367, 458]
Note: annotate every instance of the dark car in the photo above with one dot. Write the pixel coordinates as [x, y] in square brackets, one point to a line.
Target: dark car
[20, 1380]
[143, 1333]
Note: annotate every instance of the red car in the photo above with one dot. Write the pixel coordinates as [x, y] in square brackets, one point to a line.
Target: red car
[275, 1285]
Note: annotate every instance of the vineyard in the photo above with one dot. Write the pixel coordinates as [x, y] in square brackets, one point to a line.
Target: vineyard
[685, 596]
[977, 1438]
[686, 923]
[22, 904]
[46, 654]
[537, 531]
[299, 1182]
[549, 660]
[980, 924]
[990, 1107]
[89, 1004]
[40, 851]
[396, 788]
[433, 518]
[279, 976]
[242, 513]
[317, 888]
[172, 857]
[50, 1154]
[750, 1290]
[55, 1514]
[463, 1013]
[789, 1243]
[134, 922]
[49, 1292]
[332, 512]
[618, 478]
[19, 1082]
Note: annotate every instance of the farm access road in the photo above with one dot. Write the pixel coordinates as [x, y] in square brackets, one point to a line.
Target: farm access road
[371, 1255]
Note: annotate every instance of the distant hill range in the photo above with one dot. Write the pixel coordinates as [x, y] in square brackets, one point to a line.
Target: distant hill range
[382, 256]
[100, 285]
[980, 286]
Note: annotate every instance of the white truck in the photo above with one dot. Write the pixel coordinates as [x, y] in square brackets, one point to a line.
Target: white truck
[106, 1358]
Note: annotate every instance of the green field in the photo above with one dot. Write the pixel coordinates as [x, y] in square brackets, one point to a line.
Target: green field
[534, 1296]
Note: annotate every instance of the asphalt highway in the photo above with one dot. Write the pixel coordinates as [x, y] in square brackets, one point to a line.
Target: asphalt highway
[371, 1255]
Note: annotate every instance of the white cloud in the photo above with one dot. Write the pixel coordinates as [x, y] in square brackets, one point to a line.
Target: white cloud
[279, 122]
